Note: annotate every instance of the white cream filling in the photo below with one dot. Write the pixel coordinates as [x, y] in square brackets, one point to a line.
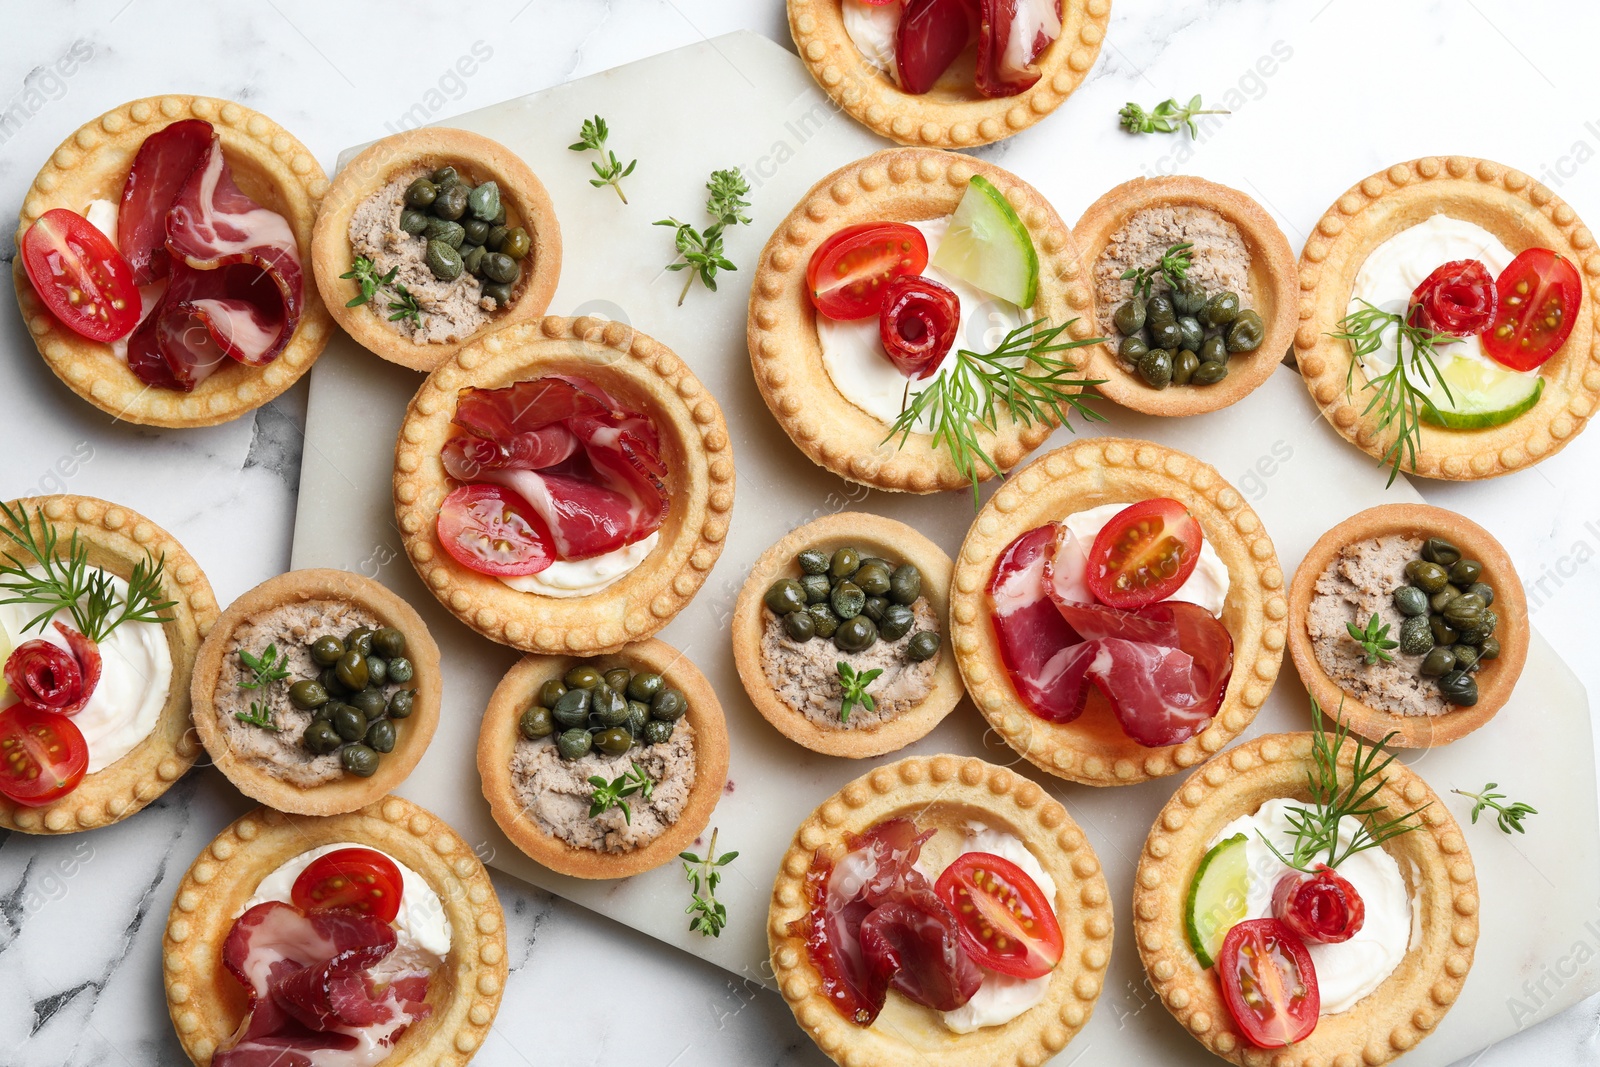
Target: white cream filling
[1349, 970]
[1207, 586]
[852, 350]
[581, 577]
[872, 29]
[103, 215]
[135, 677]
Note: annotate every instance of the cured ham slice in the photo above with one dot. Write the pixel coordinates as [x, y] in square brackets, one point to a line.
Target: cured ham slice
[1011, 35]
[467, 458]
[164, 162]
[929, 37]
[1035, 639]
[918, 952]
[497, 414]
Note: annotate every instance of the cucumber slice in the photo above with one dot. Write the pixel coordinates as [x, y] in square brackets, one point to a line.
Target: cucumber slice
[988, 245]
[1218, 898]
[1480, 395]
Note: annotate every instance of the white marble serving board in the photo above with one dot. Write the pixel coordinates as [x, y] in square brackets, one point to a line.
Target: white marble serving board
[1536, 890]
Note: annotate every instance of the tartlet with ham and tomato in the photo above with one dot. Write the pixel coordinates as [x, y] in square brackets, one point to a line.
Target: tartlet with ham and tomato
[1486, 281]
[1118, 611]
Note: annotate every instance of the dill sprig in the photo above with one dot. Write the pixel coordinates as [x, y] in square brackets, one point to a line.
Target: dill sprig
[1174, 265]
[1040, 387]
[1510, 815]
[709, 915]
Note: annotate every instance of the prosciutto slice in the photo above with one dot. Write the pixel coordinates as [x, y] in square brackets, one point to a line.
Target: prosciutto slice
[929, 37]
[1011, 35]
[1036, 641]
[164, 162]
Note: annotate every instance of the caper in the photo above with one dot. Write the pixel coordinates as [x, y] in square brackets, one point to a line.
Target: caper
[785, 595]
[657, 732]
[1410, 600]
[875, 607]
[1464, 611]
[517, 244]
[536, 722]
[401, 703]
[1416, 637]
[1209, 373]
[896, 623]
[330, 681]
[607, 707]
[855, 635]
[1213, 350]
[1193, 335]
[613, 741]
[1129, 318]
[451, 203]
[352, 671]
[800, 625]
[669, 705]
[443, 260]
[644, 685]
[499, 267]
[1438, 550]
[905, 584]
[451, 233]
[413, 222]
[326, 711]
[1188, 297]
[826, 621]
[847, 599]
[1159, 308]
[421, 193]
[401, 670]
[326, 650]
[1443, 597]
[813, 561]
[1442, 633]
[321, 738]
[872, 578]
[1482, 590]
[572, 709]
[499, 295]
[1220, 310]
[1246, 332]
[500, 216]
[1156, 368]
[360, 760]
[573, 744]
[1465, 571]
[1429, 577]
[389, 642]
[817, 587]
[472, 260]
[551, 691]
[582, 677]
[1441, 660]
[377, 670]
[638, 715]
[349, 723]
[1184, 364]
[844, 563]
[380, 736]
[496, 240]
[924, 644]
[445, 174]
[1166, 334]
[1132, 349]
[484, 203]
[359, 640]
[1475, 635]
[1459, 688]
[307, 694]
[1490, 649]
[618, 678]
[369, 702]
[1466, 657]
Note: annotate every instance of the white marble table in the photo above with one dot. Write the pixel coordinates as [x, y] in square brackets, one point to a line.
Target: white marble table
[1366, 83]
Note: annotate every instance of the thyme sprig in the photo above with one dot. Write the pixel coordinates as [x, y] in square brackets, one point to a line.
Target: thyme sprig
[1024, 377]
[854, 683]
[1173, 265]
[592, 138]
[1509, 816]
[708, 914]
[1375, 641]
[365, 274]
[1166, 117]
[615, 793]
[43, 576]
[270, 666]
[258, 715]
[700, 252]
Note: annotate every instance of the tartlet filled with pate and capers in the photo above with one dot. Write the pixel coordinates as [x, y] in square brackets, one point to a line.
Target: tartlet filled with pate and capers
[1413, 620]
[606, 766]
[317, 691]
[839, 635]
[431, 238]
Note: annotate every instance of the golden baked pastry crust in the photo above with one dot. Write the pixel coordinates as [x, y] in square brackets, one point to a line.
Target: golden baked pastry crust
[1522, 214]
[877, 536]
[640, 372]
[953, 113]
[1496, 678]
[117, 539]
[1093, 749]
[349, 791]
[944, 792]
[207, 1003]
[481, 159]
[895, 185]
[1274, 291]
[268, 164]
[498, 735]
[1433, 860]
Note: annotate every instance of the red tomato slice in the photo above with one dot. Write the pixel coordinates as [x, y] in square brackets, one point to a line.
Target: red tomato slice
[849, 271]
[1269, 983]
[1144, 554]
[492, 530]
[1539, 296]
[1004, 920]
[42, 755]
[359, 879]
[80, 276]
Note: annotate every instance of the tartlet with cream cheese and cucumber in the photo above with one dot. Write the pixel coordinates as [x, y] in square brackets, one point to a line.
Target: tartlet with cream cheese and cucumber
[1482, 281]
[915, 321]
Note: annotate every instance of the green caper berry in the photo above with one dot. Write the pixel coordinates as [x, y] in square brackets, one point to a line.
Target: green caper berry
[645, 685]
[855, 634]
[369, 702]
[401, 670]
[618, 678]
[827, 622]
[451, 203]
[330, 681]
[359, 640]
[905, 584]
[1168, 335]
[1465, 571]
[1213, 350]
[1132, 349]
[1156, 368]
[1466, 657]
[377, 670]
[380, 736]
[1246, 332]
[451, 233]
[1429, 577]
[517, 244]
[389, 642]
[499, 295]
[844, 563]
[321, 738]
[536, 722]
[1483, 591]
[872, 578]
[607, 707]
[349, 723]
[817, 587]
[813, 561]
[1440, 660]
[1129, 317]
[1184, 364]
[613, 741]
[551, 691]
[573, 744]
[1188, 297]
[401, 703]
[1159, 308]
[799, 626]
[1459, 688]
[413, 222]
[669, 705]
[582, 677]
[496, 240]
[896, 623]
[1193, 334]
[472, 260]
[1489, 649]
[1438, 550]
[359, 760]
[1439, 600]
[443, 260]
[847, 599]
[1464, 611]
[1416, 637]
[421, 193]
[501, 268]
[785, 595]
[657, 732]
[1409, 600]
[352, 671]
[445, 174]
[638, 715]
[572, 710]
[484, 203]
[1209, 372]
[307, 695]
[875, 607]
[1220, 310]
[1442, 633]
[924, 645]
[326, 650]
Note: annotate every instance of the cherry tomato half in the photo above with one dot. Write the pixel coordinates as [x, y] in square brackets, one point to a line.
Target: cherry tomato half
[1458, 299]
[850, 270]
[359, 879]
[1144, 554]
[918, 324]
[490, 529]
[80, 276]
[1323, 906]
[43, 756]
[1004, 920]
[1269, 983]
[1539, 294]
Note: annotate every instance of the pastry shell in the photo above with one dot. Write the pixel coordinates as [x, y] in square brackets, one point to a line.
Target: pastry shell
[877, 536]
[479, 158]
[498, 735]
[953, 113]
[895, 185]
[349, 791]
[267, 163]
[207, 1003]
[117, 539]
[1433, 860]
[640, 372]
[1274, 291]
[944, 792]
[1522, 214]
[1496, 678]
[1093, 749]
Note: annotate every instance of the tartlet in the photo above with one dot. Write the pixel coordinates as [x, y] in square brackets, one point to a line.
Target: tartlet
[944, 792]
[1522, 214]
[1093, 749]
[478, 158]
[1433, 859]
[497, 737]
[206, 1002]
[953, 113]
[349, 791]
[117, 539]
[638, 371]
[1496, 678]
[903, 185]
[886, 537]
[1273, 289]
[268, 164]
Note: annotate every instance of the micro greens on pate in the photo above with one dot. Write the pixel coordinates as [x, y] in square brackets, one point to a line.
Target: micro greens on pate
[708, 914]
[854, 683]
[1509, 816]
[1174, 265]
[615, 793]
[365, 274]
[1166, 117]
[258, 715]
[270, 666]
[1375, 641]
[699, 252]
[592, 138]
[57, 583]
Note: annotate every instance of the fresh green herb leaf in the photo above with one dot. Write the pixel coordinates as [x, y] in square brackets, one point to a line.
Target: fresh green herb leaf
[365, 274]
[271, 666]
[1374, 640]
[615, 793]
[701, 252]
[258, 715]
[709, 915]
[404, 307]
[592, 138]
[855, 689]
[1174, 265]
[1510, 815]
[1166, 117]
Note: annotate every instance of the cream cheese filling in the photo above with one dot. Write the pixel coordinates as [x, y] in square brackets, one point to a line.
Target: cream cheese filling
[582, 577]
[1207, 586]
